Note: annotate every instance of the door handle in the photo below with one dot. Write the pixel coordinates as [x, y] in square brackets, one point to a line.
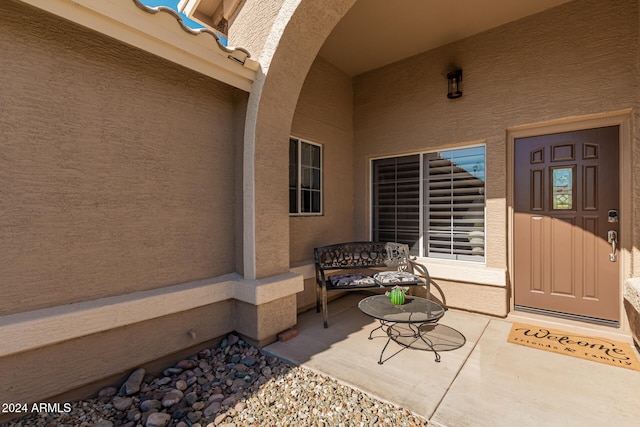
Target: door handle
[612, 237]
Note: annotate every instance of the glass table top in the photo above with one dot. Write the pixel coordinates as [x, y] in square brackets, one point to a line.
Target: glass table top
[414, 310]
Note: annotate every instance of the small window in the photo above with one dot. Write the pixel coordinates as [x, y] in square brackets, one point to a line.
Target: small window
[305, 177]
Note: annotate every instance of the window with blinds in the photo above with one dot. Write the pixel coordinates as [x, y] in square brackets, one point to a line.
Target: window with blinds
[434, 202]
[396, 200]
[454, 204]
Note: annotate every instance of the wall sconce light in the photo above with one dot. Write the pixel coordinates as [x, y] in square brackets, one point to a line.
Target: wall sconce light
[455, 87]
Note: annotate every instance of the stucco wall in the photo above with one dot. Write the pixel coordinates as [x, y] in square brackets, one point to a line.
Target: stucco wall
[579, 58]
[251, 26]
[116, 167]
[636, 155]
[45, 372]
[324, 115]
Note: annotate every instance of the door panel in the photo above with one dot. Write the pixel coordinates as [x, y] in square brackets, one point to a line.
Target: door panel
[565, 184]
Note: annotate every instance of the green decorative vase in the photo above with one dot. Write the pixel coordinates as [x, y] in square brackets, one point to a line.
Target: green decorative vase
[396, 295]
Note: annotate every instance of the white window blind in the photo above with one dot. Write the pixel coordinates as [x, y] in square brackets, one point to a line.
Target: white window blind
[454, 209]
[396, 200]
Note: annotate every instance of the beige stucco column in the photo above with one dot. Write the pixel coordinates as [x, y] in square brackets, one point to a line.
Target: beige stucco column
[285, 36]
[297, 32]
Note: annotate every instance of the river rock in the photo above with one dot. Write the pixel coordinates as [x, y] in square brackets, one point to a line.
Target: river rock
[229, 401]
[191, 398]
[148, 405]
[158, 419]
[248, 361]
[172, 371]
[214, 408]
[217, 397]
[233, 339]
[164, 381]
[186, 364]
[134, 415]
[172, 398]
[108, 392]
[279, 394]
[122, 403]
[132, 384]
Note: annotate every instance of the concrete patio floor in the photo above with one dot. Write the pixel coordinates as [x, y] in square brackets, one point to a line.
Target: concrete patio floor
[486, 382]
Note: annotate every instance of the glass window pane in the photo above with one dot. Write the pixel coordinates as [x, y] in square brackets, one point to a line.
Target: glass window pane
[454, 203]
[315, 202]
[293, 163]
[315, 156]
[305, 177]
[310, 178]
[306, 201]
[306, 154]
[396, 199]
[293, 200]
[293, 176]
[562, 188]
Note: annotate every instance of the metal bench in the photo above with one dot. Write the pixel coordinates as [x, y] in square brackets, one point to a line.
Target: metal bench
[365, 265]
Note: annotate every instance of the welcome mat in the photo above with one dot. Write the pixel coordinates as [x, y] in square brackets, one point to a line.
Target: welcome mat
[597, 349]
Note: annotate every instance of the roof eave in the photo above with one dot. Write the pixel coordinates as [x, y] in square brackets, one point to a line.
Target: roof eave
[161, 32]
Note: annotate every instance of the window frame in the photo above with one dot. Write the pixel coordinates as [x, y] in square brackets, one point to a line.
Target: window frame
[422, 232]
[299, 169]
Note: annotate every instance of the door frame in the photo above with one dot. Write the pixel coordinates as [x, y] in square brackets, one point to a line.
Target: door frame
[621, 118]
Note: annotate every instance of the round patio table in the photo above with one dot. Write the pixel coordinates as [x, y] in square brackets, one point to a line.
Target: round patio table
[403, 323]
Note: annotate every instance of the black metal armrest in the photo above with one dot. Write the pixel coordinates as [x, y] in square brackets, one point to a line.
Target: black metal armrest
[421, 269]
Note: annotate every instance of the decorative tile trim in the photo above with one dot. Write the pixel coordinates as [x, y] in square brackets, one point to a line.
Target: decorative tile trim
[196, 31]
[130, 23]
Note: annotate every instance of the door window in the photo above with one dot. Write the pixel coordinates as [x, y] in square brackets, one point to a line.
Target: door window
[562, 193]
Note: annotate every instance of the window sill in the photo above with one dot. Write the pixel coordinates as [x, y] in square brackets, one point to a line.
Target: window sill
[460, 271]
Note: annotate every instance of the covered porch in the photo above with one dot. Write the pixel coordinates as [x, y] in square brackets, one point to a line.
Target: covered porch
[486, 382]
[156, 205]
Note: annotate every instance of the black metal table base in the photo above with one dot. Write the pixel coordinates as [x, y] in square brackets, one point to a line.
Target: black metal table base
[413, 324]
[406, 335]
[426, 336]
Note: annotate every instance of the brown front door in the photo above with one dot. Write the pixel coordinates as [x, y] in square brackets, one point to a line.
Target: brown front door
[566, 188]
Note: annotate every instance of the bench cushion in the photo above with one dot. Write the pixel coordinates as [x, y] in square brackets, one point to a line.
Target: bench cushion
[351, 280]
[388, 278]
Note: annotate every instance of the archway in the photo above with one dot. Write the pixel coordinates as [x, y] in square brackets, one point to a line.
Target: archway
[296, 36]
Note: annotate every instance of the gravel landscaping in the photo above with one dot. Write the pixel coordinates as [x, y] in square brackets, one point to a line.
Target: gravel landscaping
[234, 384]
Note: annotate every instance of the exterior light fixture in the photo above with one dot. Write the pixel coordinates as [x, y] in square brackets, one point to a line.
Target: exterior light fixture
[455, 86]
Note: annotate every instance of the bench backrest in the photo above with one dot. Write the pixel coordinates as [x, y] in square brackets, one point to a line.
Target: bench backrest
[361, 255]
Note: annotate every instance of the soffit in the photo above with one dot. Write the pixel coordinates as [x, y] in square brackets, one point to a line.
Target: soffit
[379, 32]
[210, 13]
